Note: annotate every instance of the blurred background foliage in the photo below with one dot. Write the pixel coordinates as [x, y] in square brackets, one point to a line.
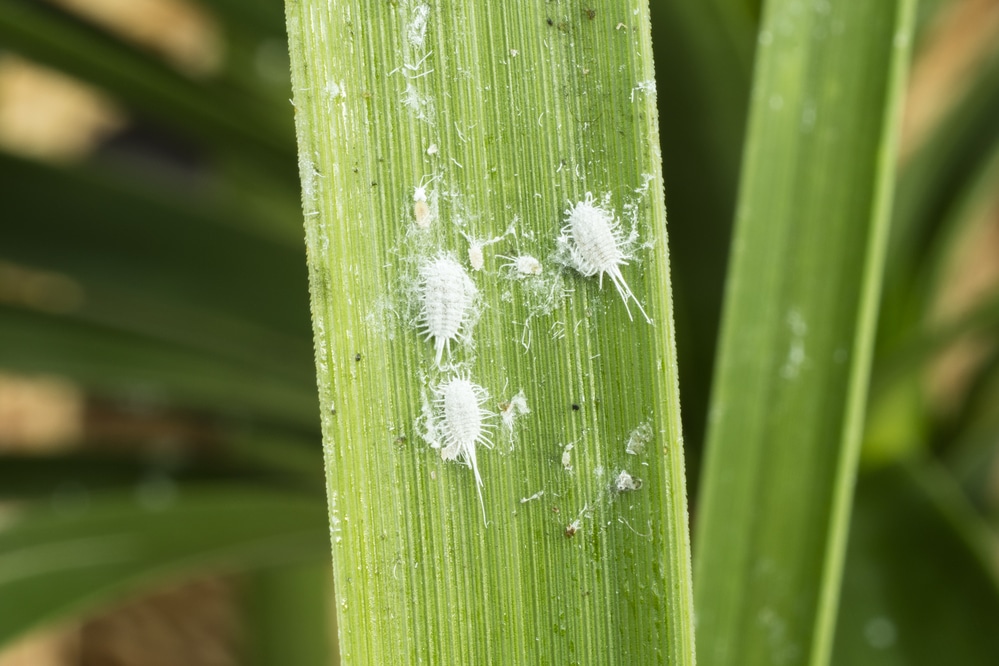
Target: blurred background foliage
[161, 486]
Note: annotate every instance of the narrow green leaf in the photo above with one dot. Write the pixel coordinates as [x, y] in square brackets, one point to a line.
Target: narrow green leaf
[85, 549]
[920, 586]
[801, 302]
[505, 115]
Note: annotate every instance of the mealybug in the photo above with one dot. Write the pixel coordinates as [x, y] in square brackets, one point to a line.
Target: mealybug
[626, 482]
[446, 298]
[475, 256]
[461, 424]
[524, 265]
[422, 212]
[597, 246]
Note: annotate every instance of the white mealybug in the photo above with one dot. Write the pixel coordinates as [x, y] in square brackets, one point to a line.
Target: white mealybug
[422, 211]
[626, 482]
[475, 256]
[597, 246]
[511, 409]
[461, 425]
[524, 265]
[446, 298]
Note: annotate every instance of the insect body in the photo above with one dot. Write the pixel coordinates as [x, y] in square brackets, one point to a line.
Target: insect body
[462, 425]
[524, 265]
[422, 211]
[446, 298]
[597, 246]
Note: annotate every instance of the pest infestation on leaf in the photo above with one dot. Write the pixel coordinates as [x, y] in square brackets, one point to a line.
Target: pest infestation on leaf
[523, 265]
[422, 211]
[447, 294]
[626, 482]
[476, 258]
[597, 246]
[461, 424]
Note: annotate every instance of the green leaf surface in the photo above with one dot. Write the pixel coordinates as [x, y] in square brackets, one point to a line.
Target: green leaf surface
[506, 115]
[788, 401]
[86, 549]
[920, 586]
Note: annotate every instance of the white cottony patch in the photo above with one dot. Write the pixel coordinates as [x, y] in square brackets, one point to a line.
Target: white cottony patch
[644, 87]
[796, 356]
[535, 496]
[595, 244]
[626, 482]
[422, 106]
[510, 410]
[336, 90]
[460, 424]
[475, 257]
[524, 265]
[432, 149]
[424, 212]
[309, 176]
[446, 298]
[638, 438]
[417, 30]
[567, 457]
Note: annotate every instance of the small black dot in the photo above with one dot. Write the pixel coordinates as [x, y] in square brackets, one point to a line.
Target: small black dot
[551, 22]
[357, 356]
[575, 407]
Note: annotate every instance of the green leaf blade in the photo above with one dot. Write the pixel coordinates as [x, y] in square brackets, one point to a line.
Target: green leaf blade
[528, 109]
[797, 333]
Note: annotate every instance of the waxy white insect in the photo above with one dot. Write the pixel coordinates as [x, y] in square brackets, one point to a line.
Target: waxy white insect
[461, 424]
[422, 212]
[475, 256]
[511, 409]
[626, 482]
[447, 295]
[524, 265]
[597, 246]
